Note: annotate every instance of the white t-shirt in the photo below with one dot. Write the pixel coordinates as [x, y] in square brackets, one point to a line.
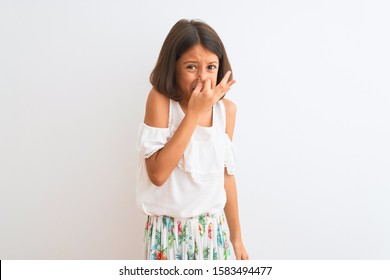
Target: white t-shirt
[196, 185]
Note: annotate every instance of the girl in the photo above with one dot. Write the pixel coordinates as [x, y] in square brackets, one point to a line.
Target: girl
[186, 161]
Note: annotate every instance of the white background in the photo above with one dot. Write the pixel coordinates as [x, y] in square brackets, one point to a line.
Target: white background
[312, 129]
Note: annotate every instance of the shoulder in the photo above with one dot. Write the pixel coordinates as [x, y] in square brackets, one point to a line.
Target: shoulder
[231, 111]
[157, 109]
[230, 107]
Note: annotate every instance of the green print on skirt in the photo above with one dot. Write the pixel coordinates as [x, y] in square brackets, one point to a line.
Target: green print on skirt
[205, 237]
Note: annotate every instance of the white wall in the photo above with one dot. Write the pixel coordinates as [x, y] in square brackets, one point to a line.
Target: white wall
[312, 127]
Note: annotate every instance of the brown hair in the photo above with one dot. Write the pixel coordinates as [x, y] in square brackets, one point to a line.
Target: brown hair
[184, 35]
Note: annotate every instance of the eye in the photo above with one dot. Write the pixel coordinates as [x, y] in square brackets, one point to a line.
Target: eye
[211, 67]
[191, 67]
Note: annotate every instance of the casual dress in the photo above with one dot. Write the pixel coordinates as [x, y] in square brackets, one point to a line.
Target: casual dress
[205, 237]
[185, 214]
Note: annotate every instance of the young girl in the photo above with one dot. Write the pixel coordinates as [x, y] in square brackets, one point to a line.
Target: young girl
[186, 169]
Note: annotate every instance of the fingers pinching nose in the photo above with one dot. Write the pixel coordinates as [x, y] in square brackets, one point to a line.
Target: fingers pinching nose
[198, 87]
[207, 84]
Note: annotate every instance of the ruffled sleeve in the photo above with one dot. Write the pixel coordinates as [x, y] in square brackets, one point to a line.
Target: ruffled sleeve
[230, 156]
[151, 139]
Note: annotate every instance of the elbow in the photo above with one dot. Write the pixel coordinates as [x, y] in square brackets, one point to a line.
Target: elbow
[157, 179]
[156, 174]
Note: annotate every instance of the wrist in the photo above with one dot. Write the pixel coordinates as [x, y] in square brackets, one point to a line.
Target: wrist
[236, 240]
[192, 117]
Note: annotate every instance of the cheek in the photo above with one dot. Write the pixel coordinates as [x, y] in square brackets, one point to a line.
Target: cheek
[184, 82]
[214, 81]
[180, 78]
[187, 79]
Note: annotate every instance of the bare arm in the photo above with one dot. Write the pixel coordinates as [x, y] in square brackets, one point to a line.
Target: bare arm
[231, 207]
[161, 164]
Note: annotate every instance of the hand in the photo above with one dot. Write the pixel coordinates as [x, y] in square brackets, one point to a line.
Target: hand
[224, 86]
[204, 97]
[240, 251]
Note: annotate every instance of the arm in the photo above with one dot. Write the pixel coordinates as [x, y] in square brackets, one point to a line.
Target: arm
[231, 207]
[161, 164]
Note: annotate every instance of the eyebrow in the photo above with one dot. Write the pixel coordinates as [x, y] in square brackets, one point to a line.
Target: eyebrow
[195, 61]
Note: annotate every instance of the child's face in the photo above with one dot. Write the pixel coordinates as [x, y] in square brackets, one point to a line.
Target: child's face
[197, 62]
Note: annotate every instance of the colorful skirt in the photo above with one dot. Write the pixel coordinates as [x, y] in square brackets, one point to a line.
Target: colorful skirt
[205, 237]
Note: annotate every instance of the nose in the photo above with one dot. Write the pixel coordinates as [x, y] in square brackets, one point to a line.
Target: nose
[202, 74]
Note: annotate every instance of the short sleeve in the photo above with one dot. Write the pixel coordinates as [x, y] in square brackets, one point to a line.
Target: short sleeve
[230, 156]
[151, 139]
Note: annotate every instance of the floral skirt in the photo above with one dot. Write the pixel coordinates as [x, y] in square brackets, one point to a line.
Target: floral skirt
[205, 237]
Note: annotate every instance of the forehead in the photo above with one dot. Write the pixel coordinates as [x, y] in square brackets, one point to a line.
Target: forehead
[198, 53]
